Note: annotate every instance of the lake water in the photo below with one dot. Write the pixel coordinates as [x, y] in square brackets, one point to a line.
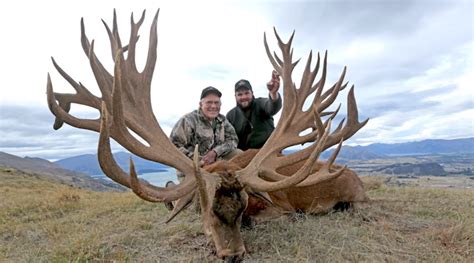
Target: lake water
[158, 179]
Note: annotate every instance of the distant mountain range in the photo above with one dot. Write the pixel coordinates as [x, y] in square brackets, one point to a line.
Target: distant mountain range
[89, 164]
[49, 171]
[382, 150]
[465, 145]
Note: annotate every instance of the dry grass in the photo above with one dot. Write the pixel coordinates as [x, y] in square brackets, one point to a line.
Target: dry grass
[46, 222]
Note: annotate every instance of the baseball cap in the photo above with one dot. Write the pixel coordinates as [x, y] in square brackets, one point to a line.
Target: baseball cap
[210, 90]
[243, 84]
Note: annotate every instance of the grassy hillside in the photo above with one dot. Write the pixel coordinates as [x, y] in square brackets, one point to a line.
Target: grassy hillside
[47, 170]
[42, 221]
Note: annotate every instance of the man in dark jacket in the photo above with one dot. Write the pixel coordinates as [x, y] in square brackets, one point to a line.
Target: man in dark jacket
[252, 118]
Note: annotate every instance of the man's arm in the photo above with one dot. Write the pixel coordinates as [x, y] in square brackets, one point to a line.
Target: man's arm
[230, 142]
[181, 137]
[272, 107]
[273, 86]
[273, 104]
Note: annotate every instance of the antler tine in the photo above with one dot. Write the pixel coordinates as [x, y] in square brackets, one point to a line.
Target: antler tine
[276, 66]
[152, 47]
[115, 32]
[306, 88]
[61, 109]
[85, 43]
[105, 78]
[285, 48]
[133, 40]
[83, 96]
[200, 182]
[325, 173]
[277, 58]
[64, 100]
[330, 91]
[352, 124]
[329, 100]
[113, 44]
[307, 79]
[317, 134]
[322, 81]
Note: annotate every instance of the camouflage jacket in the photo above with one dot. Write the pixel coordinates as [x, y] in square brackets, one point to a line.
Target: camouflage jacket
[194, 128]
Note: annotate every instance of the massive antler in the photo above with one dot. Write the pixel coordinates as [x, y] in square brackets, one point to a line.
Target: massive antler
[125, 106]
[294, 121]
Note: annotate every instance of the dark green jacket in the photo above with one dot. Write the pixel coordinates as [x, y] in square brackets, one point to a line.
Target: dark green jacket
[254, 131]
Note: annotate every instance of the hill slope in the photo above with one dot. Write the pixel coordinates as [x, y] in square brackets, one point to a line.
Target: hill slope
[49, 171]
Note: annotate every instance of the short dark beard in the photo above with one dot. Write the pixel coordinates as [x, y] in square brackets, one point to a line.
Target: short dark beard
[249, 106]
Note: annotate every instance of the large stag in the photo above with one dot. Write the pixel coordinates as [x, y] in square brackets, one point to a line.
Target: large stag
[292, 182]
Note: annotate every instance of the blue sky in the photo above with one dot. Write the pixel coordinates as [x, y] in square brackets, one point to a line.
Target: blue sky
[411, 62]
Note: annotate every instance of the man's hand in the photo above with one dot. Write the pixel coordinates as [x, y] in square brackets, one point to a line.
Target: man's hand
[209, 158]
[273, 85]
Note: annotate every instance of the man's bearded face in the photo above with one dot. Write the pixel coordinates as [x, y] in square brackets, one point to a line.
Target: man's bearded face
[243, 98]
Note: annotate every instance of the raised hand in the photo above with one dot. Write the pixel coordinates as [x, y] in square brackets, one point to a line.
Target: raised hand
[274, 85]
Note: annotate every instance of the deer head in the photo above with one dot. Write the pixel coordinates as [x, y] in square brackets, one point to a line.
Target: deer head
[223, 188]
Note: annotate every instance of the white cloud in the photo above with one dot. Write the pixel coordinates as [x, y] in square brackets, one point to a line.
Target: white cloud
[362, 49]
[411, 63]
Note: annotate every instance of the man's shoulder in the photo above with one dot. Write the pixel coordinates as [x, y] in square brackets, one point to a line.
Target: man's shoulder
[260, 101]
[231, 113]
[191, 116]
[263, 100]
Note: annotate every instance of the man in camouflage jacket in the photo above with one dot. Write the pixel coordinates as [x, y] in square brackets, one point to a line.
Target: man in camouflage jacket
[208, 128]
